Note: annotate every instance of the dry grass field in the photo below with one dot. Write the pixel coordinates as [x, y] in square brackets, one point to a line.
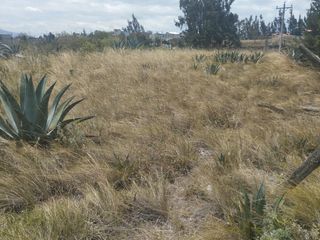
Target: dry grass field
[170, 152]
[271, 43]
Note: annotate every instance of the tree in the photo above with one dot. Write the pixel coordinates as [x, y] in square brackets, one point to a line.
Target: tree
[253, 28]
[293, 25]
[296, 26]
[135, 34]
[134, 26]
[301, 26]
[312, 35]
[264, 29]
[49, 38]
[275, 26]
[208, 23]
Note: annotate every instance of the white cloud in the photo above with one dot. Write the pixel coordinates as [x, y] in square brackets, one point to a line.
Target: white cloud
[33, 9]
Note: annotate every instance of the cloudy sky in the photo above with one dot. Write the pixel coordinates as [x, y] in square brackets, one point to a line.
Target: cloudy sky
[41, 16]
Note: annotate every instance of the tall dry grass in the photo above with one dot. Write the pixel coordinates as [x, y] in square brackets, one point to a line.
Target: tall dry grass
[169, 151]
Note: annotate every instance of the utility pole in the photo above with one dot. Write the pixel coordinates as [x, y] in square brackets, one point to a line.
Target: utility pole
[282, 20]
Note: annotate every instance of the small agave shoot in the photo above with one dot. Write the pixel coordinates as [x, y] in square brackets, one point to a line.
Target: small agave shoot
[213, 69]
[33, 120]
[251, 213]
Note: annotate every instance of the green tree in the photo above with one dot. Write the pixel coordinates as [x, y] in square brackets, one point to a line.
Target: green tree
[296, 26]
[134, 26]
[275, 26]
[253, 28]
[208, 23]
[293, 25]
[135, 33]
[312, 35]
[264, 28]
[301, 26]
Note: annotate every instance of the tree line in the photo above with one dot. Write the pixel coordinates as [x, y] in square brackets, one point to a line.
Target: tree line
[256, 27]
[312, 33]
[210, 23]
[204, 24]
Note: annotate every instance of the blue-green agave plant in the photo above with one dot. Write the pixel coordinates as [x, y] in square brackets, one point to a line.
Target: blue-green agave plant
[7, 51]
[33, 120]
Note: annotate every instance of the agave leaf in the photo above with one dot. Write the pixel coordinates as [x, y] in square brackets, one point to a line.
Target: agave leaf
[278, 203]
[10, 109]
[27, 128]
[5, 47]
[13, 102]
[55, 105]
[30, 102]
[259, 201]
[57, 116]
[23, 89]
[10, 97]
[4, 127]
[69, 108]
[76, 120]
[40, 91]
[245, 206]
[42, 116]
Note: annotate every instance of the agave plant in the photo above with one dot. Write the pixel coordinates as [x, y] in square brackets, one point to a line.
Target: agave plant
[213, 69]
[128, 43]
[200, 58]
[237, 57]
[120, 44]
[33, 120]
[134, 43]
[251, 212]
[7, 51]
[257, 56]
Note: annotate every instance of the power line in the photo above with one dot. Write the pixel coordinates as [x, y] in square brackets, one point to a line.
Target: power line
[282, 20]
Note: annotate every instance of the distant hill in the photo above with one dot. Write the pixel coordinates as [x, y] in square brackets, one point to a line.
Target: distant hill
[8, 32]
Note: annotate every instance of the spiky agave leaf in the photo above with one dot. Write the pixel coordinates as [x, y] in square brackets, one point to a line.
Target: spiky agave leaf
[30, 101]
[58, 113]
[5, 130]
[40, 91]
[5, 47]
[5, 51]
[69, 108]
[11, 108]
[259, 201]
[42, 117]
[76, 120]
[55, 105]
